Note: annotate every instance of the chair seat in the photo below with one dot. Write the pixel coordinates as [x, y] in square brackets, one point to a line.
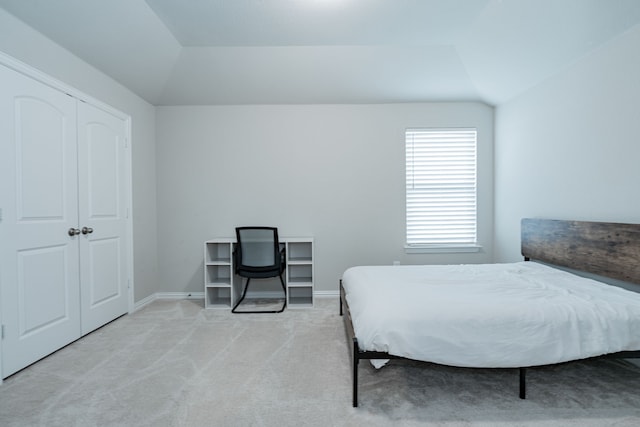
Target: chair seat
[258, 272]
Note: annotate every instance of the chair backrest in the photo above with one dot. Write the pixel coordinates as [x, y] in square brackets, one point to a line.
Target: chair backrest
[258, 248]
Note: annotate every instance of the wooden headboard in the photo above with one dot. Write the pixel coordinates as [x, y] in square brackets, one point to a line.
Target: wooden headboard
[604, 248]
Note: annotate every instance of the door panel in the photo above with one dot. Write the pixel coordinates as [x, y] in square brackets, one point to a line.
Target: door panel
[103, 149]
[41, 190]
[42, 276]
[39, 275]
[103, 209]
[104, 275]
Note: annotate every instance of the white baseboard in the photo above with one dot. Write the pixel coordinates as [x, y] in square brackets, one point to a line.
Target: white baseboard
[276, 294]
[200, 295]
[167, 295]
[143, 302]
[179, 295]
[326, 294]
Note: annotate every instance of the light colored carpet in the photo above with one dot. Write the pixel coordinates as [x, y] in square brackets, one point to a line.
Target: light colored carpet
[175, 364]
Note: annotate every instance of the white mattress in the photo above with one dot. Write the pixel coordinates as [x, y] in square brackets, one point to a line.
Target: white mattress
[489, 315]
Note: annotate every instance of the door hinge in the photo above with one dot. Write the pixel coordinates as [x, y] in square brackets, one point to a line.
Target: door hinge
[126, 143]
[2, 332]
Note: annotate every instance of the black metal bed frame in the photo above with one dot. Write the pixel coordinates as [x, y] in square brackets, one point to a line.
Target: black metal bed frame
[613, 251]
[358, 354]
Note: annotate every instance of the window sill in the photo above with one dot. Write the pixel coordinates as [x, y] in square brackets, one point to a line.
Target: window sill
[441, 249]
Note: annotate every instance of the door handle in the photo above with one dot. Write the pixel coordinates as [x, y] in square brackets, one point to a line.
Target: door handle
[87, 230]
[73, 232]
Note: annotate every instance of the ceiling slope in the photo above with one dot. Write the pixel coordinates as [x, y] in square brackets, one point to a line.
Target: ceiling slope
[200, 52]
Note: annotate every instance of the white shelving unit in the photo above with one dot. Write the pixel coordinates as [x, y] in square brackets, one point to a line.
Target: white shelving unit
[220, 290]
[299, 274]
[218, 273]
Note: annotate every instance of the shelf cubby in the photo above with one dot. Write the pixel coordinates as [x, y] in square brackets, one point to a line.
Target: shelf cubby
[300, 296]
[218, 297]
[218, 253]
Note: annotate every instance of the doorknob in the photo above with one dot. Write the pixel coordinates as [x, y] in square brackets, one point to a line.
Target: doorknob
[73, 232]
[87, 230]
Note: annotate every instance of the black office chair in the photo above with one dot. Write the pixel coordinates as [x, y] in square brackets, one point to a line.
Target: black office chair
[258, 256]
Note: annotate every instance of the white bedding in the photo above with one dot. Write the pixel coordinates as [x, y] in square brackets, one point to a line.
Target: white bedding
[489, 315]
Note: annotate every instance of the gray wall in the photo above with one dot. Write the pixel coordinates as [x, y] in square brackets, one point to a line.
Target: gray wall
[569, 148]
[23, 43]
[334, 172]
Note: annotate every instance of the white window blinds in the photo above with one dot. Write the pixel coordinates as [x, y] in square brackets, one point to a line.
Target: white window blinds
[441, 187]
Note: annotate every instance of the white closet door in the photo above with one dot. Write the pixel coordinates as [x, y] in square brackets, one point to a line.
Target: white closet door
[39, 277]
[103, 205]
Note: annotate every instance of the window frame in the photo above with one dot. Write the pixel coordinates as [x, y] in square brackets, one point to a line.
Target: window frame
[454, 245]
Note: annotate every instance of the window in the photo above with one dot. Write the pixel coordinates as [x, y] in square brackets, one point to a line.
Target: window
[441, 189]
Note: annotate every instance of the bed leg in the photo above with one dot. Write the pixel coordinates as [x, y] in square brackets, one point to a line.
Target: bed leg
[356, 361]
[523, 385]
[340, 297]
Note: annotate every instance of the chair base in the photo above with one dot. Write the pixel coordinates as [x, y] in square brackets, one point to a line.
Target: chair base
[244, 294]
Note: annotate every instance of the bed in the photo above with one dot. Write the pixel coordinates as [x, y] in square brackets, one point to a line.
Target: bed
[517, 315]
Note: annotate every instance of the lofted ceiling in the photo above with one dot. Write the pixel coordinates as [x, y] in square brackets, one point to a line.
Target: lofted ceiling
[207, 52]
